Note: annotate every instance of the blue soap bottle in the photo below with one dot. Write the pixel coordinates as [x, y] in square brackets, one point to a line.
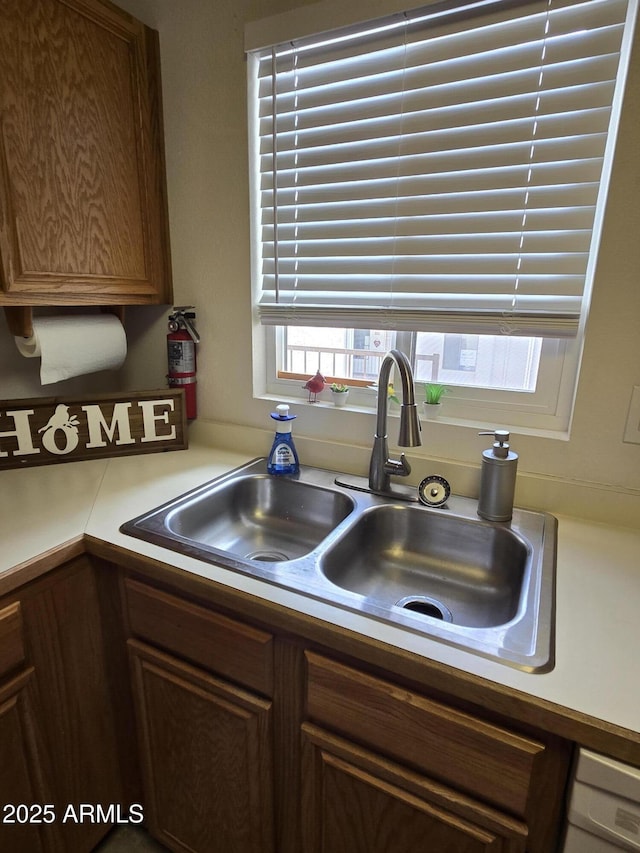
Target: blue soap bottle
[283, 458]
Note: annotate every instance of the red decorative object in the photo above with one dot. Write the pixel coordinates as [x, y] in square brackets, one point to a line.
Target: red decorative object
[314, 386]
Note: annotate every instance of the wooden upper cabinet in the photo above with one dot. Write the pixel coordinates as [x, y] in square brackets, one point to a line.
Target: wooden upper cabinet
[83, 215]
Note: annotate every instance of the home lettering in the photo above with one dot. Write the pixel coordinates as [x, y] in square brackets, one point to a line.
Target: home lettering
[83, 429]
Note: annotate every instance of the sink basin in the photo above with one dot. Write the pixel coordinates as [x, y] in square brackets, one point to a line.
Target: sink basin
[485, 587]
[258, 517]
[464, 572]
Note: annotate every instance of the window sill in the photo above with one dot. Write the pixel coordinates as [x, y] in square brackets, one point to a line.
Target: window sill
[393, 411]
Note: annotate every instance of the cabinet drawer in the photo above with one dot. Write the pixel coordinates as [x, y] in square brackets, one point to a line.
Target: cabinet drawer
[470, 754]
[239, 652]
[11, 643]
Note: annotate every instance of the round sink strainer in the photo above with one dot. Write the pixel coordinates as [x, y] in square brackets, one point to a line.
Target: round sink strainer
[426, 606]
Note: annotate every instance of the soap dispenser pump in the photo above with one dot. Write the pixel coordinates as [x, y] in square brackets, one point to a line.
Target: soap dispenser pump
[497, 478]
[283, 458]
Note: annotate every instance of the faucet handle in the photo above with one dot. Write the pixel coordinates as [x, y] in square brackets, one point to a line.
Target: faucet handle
[398, 467]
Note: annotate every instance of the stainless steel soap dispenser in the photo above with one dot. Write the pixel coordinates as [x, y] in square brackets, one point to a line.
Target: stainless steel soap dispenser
[497, 478]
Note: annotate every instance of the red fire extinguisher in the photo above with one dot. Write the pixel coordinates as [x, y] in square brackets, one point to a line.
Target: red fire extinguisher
[181, 352]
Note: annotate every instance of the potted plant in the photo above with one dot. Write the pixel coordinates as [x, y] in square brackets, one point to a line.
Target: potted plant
[392, 397]
[433, 399]
[339, 393]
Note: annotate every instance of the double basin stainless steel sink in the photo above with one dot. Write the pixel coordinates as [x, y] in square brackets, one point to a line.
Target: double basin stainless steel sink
[482, 586]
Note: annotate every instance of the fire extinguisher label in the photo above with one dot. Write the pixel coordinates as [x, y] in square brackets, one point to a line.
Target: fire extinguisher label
[181, 356]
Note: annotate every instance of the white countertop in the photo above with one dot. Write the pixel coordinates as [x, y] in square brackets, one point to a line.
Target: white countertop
[598, 573]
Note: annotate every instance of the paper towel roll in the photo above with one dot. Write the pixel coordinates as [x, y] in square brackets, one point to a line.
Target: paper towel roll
[75, 345]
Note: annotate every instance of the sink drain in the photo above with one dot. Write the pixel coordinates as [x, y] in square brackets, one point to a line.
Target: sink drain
[267, 556]
[426, 606]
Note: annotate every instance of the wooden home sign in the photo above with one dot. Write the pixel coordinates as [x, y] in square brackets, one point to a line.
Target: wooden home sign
[63, 429]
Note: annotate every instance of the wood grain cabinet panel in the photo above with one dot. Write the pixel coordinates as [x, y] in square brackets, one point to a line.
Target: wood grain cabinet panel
[471, 754]
[521, 776]
[65, 643]
[357, 802]
[206, 757]
[350, 762]
[58, 739]
[12, 652]
[83, 216]
[22, 768]
[225, 646]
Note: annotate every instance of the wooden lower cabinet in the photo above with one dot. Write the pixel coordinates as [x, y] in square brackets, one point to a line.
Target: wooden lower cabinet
[253, 741]
[63, 631]
[206, 757]
[22, 769]
[355, 801]
[59, 747]
[237, 735]
[492, 788]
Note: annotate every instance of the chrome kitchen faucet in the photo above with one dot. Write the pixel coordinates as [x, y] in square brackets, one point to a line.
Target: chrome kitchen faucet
[381, 467]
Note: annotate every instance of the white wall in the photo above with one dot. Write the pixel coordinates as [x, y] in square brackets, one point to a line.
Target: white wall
[204, 86]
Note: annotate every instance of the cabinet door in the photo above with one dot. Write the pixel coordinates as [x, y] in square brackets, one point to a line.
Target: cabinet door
[206, 757]
[521, 775]
[22, 771]
[63, 635]
[357, 802]
[83, 199]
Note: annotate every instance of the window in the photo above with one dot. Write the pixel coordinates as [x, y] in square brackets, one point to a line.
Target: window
[355, 356]
[439, 175]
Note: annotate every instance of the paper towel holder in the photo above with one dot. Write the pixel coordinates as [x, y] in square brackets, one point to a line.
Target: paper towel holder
[20, 318]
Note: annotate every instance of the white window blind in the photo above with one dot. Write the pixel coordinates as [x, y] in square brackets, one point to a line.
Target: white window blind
[439, 170]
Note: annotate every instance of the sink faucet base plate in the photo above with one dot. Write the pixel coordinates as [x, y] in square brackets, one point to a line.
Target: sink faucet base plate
[395, 490]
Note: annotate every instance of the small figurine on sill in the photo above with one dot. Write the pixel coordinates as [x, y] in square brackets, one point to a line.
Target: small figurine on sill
[315, 386]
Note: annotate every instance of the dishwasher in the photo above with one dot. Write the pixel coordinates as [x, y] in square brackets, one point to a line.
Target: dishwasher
[604, 806]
